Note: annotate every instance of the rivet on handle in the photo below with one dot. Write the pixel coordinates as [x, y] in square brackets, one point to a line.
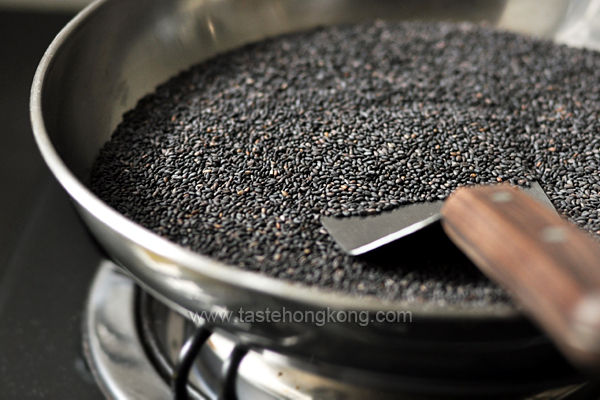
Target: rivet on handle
[501, 197]
[554, 234]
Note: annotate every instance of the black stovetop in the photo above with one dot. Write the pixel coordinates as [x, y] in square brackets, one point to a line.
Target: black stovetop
[47, 259]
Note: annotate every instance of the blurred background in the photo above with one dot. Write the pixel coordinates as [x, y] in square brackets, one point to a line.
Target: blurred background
[26, 29]
[40, 349]
[47, 5]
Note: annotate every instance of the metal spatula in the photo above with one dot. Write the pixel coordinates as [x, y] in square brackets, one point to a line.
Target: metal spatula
[550, 266]
[359, 235]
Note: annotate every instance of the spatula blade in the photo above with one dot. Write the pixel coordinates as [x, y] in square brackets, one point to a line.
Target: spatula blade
[359, 235]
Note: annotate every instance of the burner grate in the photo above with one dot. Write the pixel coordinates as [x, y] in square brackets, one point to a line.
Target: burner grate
[176, 374]
[138, 348]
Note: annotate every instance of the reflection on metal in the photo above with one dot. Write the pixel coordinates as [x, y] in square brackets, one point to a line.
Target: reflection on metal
[581, 27]
[114, 352]
[359, 235]
[124, 370]
[518, 16]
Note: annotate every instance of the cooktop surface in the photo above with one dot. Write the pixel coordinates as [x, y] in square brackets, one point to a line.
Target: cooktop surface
[47, 259]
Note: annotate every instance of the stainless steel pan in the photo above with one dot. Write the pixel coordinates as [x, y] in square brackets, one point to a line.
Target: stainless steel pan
[116, 51]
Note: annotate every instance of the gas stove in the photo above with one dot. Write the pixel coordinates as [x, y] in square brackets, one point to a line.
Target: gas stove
[74, 325]
[138, 348]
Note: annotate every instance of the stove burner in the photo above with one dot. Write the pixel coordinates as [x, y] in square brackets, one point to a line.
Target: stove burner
[177, 373]
[138, 348]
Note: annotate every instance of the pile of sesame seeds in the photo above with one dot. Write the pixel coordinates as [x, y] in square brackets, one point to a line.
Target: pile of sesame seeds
[240, 156]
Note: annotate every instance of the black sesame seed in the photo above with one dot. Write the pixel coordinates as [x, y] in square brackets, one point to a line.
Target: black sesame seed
[238, 157]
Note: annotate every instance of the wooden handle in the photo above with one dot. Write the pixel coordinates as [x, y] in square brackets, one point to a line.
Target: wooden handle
[550, 266]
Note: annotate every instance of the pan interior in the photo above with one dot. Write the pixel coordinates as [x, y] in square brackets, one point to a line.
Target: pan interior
[88, 84]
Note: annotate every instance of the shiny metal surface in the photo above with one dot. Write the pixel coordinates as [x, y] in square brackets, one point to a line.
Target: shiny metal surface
[125, 372]
[359, 235]
[538, 193]
[116, 51]
[111, 343]
[581, 26]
